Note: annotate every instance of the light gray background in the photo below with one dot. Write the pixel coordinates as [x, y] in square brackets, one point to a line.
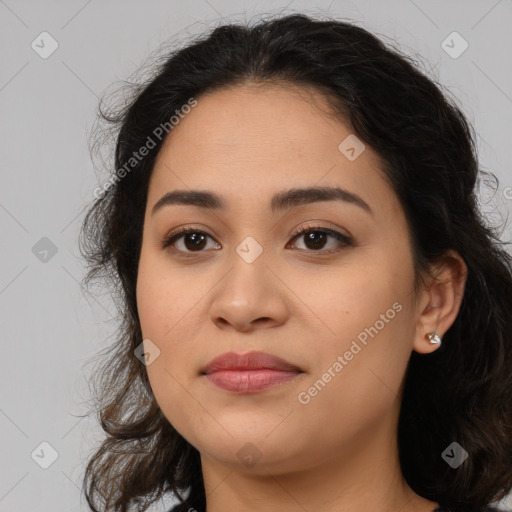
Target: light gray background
[50, 326]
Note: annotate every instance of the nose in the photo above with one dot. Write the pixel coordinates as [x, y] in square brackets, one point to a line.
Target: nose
[250, 296]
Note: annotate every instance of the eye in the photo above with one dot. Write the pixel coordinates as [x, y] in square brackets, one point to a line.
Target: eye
[315, 238]
[194, 240]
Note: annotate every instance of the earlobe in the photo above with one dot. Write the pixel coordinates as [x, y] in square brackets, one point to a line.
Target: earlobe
[440, 302]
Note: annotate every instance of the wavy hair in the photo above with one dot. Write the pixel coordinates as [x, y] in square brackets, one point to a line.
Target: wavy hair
[462, 392]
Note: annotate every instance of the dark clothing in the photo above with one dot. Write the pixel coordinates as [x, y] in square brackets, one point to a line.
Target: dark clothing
[486, 509]
[185, 508]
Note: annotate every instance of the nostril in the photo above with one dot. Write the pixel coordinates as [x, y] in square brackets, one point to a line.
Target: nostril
[263, 319]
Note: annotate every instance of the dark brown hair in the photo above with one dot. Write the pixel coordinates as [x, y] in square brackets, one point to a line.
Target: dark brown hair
[460, 393]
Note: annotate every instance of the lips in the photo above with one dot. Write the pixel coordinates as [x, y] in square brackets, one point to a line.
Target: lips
[249, 372]
[248, 361]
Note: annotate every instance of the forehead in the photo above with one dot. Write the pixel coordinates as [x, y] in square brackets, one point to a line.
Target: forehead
[263, 120]
[247, 142]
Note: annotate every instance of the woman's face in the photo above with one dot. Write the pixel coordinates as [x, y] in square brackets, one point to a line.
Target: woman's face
[336, 303]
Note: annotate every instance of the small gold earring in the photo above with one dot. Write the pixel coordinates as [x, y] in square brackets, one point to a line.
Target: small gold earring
[434, 338]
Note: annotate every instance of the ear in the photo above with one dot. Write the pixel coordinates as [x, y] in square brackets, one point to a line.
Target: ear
[440, 299]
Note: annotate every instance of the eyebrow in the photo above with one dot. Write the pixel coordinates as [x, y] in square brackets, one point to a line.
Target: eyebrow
[281, 201]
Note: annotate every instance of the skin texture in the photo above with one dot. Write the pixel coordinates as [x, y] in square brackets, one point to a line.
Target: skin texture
[338, 452]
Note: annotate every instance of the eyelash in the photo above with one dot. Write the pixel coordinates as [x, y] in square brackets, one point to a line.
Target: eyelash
[347, 241]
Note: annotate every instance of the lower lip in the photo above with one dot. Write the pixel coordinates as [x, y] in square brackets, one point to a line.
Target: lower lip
[249, 381]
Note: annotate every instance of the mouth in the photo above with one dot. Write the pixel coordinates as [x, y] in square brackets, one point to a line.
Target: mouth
[249, 372]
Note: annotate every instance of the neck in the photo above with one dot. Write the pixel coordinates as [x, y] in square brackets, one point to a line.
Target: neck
[365, 475]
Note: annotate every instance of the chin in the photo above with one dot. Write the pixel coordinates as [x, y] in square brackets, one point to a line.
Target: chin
[252, 457]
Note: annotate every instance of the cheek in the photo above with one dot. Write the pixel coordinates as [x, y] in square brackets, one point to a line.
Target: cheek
[161, 298]
[351, 396]
[370, 318]
[163, 321]
[169, 372]
[354, 302]
[176, 404]
[163, 307]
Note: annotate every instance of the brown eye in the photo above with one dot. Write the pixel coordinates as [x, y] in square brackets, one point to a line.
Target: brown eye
[191, 240]
[315, 239]
[188, 240]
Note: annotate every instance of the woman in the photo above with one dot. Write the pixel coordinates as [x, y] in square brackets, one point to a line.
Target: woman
[315, 314]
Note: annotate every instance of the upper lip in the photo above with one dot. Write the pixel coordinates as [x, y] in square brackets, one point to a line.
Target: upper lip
[248, 361]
